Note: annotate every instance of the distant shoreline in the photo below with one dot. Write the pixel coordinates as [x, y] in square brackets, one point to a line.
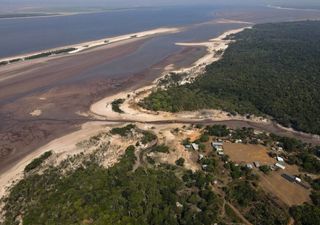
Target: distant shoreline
[293, 9]
[72, 49]
[33, 15]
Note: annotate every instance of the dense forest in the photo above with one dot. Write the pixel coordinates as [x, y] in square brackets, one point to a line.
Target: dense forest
[271, 69]
[118, 195]
[153, 193]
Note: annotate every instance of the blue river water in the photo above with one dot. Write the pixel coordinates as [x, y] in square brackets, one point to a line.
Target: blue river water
[24, 35]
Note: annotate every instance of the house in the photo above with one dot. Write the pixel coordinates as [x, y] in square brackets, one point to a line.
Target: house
[195, 146]
[249, 166]
[256, 164]
[179, 205]
[279, 165]
[279, 159]
[297, 179]
[288, 177]
[204, 167]
[217, 144]
[201, 156]
[219, 149]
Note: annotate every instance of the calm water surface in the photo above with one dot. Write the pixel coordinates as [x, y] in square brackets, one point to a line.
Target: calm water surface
[26, 35]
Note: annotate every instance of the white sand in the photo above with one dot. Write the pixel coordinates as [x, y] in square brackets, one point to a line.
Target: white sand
[65, 144]
[106, 41]
[103, 108]
[36, 112]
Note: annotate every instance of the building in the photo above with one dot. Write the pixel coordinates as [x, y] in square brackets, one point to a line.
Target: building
[289, 177]
[297, 179]
[217, 144]
[279, 159]
[279, 165]
[195, 146]
[204, 167]
[256, 164]
[249, 166]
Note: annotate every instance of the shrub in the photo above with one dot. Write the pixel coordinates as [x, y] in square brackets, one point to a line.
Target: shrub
[37, 161]
[180, 162]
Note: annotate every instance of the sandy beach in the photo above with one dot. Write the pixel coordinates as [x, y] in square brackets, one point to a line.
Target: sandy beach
[96, 43]
[103, 108]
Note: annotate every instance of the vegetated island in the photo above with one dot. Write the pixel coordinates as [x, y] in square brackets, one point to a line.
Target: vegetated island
[271, 69]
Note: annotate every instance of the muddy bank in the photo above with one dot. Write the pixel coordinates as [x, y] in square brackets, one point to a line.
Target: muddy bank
[62, 107]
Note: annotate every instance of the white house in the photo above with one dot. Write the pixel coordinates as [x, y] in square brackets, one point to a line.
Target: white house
[195, 146]
[279, 165]
[279, 159]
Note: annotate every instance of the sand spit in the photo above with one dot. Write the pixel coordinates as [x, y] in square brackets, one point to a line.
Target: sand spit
[131, 111]
[101, 42]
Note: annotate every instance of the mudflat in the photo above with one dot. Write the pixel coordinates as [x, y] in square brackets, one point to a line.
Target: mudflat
[47, 98]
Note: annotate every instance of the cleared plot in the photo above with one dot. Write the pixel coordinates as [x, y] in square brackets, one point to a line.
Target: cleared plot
[248, 153]
[290, 193]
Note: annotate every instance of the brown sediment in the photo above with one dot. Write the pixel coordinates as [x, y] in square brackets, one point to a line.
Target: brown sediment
[62, 105]
[23, 78]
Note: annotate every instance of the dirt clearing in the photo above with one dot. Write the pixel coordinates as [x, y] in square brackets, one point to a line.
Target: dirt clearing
[248, 153]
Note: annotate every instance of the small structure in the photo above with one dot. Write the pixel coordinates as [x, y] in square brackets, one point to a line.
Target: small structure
[297, 179]
[249, 166]
[256, 164]
[204, 166]
[279, 165]
[179, 205]
[195, 146]
[216, 144]
[288, 177]
[201, 156]
[280, 149]
[279, 159]
[221, 153]
[219, 149]
[187, 146]
[238, 141]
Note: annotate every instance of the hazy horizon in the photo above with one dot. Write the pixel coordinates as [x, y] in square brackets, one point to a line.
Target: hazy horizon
[25, 5]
